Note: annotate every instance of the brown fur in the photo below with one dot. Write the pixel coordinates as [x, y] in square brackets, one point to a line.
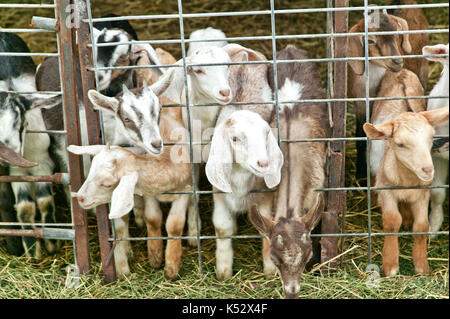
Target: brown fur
[416, 21]
[147, 74]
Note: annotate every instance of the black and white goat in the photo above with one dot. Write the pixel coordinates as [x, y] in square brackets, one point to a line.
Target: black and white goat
[17, 74]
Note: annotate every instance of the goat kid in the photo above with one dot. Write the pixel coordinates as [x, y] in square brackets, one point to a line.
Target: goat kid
[117, 174]
[379, 45]
[298, 208]
[399, 84]
[207, 33]
[244, 156]
[407, 163]
[440, 160]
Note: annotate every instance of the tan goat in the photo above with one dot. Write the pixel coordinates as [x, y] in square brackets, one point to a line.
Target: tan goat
[406, 162]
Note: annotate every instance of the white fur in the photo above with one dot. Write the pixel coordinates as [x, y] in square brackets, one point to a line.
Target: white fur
[440, 160]
[208, 33]
[291, 91]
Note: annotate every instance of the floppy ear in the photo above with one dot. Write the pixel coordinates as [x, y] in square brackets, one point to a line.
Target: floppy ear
[160, 86]
[313, 216]
[235, 52]
[261, 223]
[88, 149]
[276, 160]
[122, 200]
[218, 166]
[436, 117]
[102, 102]
[355, 50]
[406, 45]
[8, 156]
[379, 131]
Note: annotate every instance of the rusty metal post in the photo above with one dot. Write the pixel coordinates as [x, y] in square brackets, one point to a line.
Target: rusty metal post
[66, 45]
[94, 137]
[336, 200]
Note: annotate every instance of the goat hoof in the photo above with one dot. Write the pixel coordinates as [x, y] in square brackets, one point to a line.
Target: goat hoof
[224, 274]
[390, 271]
[171, 272]
[422, 270]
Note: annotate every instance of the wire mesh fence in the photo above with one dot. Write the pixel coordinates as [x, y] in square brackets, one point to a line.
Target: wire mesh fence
[336, 100]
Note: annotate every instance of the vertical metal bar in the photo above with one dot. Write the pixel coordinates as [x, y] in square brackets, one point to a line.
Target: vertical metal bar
[94, 137]
[275, 74]
[191, 155]
[367, 74]
[336, 201]
[66, 45]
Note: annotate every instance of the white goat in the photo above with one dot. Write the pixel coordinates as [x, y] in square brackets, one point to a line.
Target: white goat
[244, 155]
[440, 160]
[208, 33]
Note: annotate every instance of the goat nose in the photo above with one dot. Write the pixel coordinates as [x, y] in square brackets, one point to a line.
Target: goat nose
[263, 164]
[428, 170]
[397, 61]
[156, 144]
[225, 93]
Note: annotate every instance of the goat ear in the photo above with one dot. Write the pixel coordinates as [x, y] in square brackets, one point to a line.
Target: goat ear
[10, 157]
[160, 86]
[102, 102]
[406, 45]
[313, 216]
[88, 149]
[235, 52]
[261, 223]
[218, 166]
[145, 50]
[436, 117]
[276, 160]
[355, 50]
[436, 49]
[122, 200]
[380, 131]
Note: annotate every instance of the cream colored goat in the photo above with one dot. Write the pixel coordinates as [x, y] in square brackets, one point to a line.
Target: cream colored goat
[406, 162]
[394, 84]
[116, 175]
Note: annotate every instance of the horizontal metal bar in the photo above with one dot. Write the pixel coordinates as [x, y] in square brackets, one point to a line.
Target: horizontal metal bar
[22, 30]
[260, 236]
[278, 37]
[47, 131]
[26, 6]
[365, 188]
[26, 54]
[43, 23]
[47, 233]
[57, 178]
[34, 92]
[10, 224]
[263, 12]
[133, 67]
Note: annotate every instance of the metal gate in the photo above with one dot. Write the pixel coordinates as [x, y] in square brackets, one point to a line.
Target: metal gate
[337, 33]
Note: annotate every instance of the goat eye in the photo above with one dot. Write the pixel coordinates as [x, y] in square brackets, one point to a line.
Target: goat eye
[235, 139]
[106, 185]
[127, 120]
[198, 71]
[371, 42]
[401, 145]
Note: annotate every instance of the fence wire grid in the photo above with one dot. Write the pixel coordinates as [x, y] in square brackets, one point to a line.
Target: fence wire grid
[330, 35]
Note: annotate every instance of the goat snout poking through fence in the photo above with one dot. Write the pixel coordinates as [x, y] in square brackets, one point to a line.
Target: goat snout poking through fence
[290, 242]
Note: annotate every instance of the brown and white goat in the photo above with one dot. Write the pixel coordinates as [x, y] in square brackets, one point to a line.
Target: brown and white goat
[116, 175]
[298, 208]
[379, 45]
[406, 162]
